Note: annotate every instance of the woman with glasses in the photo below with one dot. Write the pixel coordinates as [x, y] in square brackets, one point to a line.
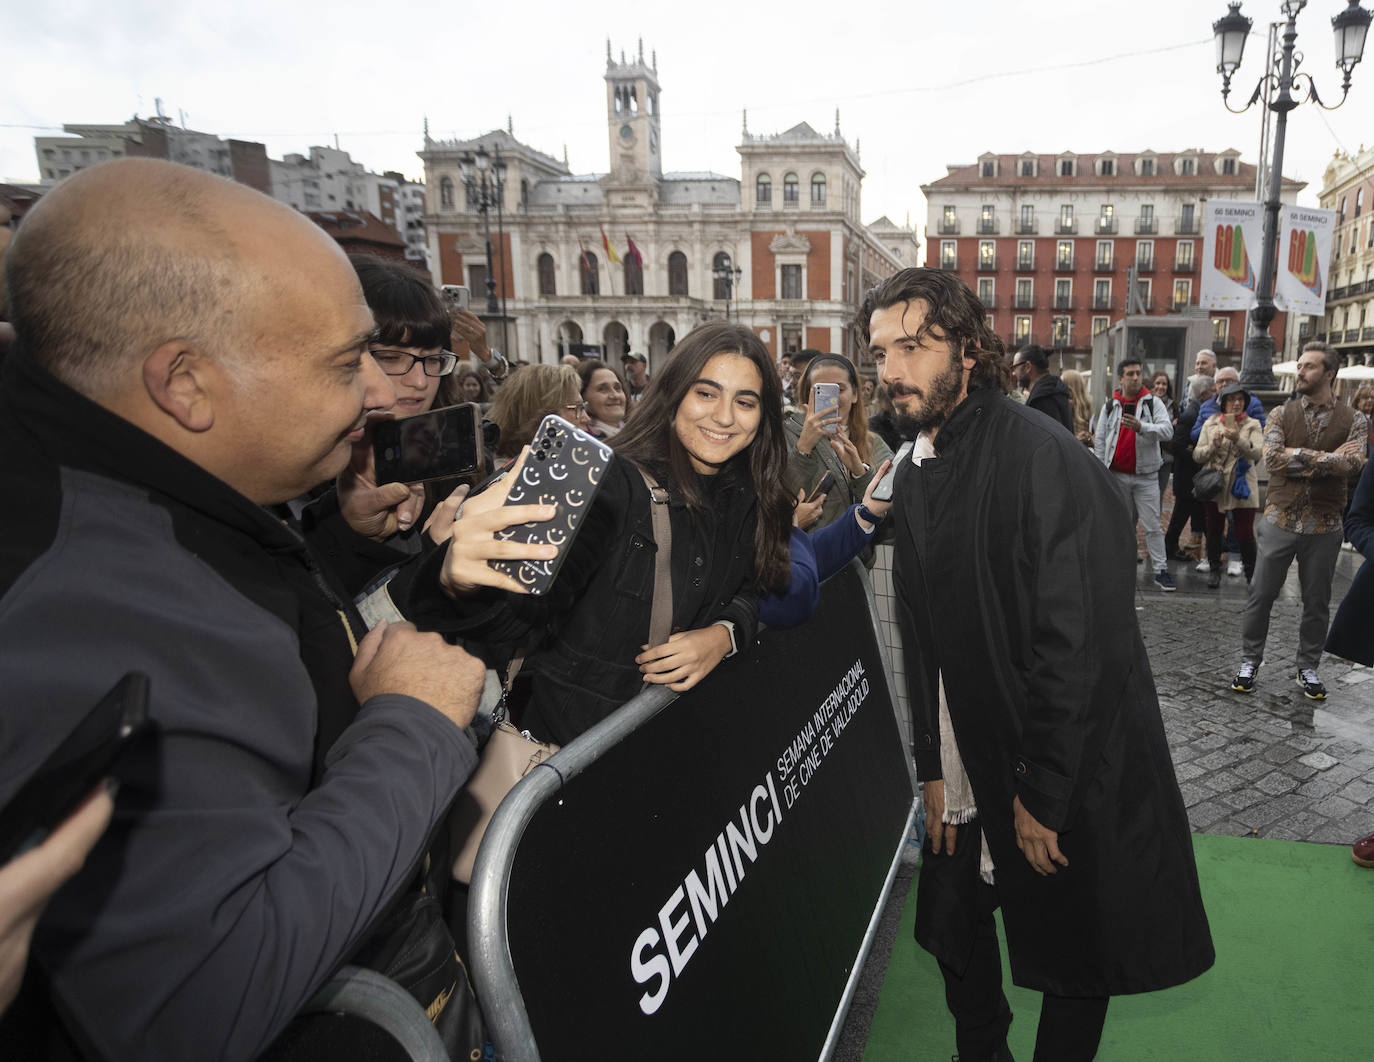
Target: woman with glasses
[528, 397]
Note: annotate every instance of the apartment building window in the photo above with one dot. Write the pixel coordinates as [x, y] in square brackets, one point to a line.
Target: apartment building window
[1063, 255]
[1104, 258]
[1145, 223]
[1025, 293]
[1066, 167]
[1101, 324]
[1021, 331]
[1187, 167]
[763, 189]
[1221, 329]
[1066, 224]
[1228, 166]
[987, 219]
[1102, 294]
[546, 276]
[989, 168]
[791, 282]
[987, 254]
[1025, 253]
[818, 189]
[985, 291]
[591, 275]
[949, 221]
[1026, 222]
[1147, 167]
[949, 255]
[1063, 294]
[1187, 221]
[722, 276]
[677, 273]
[1106, 218]
[790, 189]
[1359, 201]
[1063, 326]
[1183, 255]
[1108, 167]
[1144, 255]
[1183, 293]
[1027, 167]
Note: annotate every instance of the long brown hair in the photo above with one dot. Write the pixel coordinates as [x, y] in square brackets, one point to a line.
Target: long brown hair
[650, 440]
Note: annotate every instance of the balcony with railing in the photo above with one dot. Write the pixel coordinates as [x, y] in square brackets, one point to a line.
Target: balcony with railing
[1025, 265]
[1145, 265]
[1179, 305]
[1064, 227]
[1016, 342]
[1103, 302]
[987, 227]
[1145, 227]
[1065, 302]
[1337, 294]
[1105, 226]
[987, 265]
[1190, 266]
[1026, 227]
[1186, 226]
[948, 227]
[990, 303]
[1063, 263]
[1305, 330]
[1366, 333]
[949, 263]
[1023, 302]
[1104, 265]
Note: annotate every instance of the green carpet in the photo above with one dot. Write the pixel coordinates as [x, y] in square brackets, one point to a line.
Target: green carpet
[1293, 926]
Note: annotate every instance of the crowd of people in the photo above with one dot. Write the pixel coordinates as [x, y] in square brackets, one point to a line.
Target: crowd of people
[193, 376]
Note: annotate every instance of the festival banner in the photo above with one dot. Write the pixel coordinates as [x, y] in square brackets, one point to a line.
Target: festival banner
[1305, 235]
[1232, 249]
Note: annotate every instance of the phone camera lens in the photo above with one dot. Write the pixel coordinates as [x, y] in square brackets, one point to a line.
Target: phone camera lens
[559, 444]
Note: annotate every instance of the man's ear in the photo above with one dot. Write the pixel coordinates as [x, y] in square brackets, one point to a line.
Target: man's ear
[177, 377]
[970, 362]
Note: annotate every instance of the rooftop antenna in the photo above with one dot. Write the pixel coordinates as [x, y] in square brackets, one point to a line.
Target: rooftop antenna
[426, 128]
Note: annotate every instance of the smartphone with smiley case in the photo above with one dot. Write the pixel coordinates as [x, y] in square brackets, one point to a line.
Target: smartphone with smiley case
[564, 469]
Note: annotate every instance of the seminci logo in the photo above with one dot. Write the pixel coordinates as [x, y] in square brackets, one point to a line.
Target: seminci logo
[1230, 258]
[1302, 259]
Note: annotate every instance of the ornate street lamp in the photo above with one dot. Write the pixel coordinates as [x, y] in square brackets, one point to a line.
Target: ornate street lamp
[1351, 27]
[484, 177]
[728, 273]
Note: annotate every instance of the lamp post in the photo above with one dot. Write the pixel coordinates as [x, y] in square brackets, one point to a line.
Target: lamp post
[1350, 27]
[729, 273]
[484, 176]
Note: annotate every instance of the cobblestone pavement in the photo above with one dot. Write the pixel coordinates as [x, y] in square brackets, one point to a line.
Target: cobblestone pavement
[1269, 763]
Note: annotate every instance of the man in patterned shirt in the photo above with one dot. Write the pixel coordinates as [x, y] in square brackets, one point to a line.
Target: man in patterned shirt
[1313, 444]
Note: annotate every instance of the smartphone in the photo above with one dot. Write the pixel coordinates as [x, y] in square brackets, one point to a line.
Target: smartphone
[826, 396]
[823, 487]
[883, 491]
[434, 445]
[564, 468]
[457, 296]
[91, 752]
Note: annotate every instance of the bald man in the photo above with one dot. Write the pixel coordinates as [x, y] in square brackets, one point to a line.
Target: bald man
[190, 353]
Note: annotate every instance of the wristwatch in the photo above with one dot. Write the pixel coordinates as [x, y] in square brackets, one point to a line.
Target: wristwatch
[498, 367]
[730, 628]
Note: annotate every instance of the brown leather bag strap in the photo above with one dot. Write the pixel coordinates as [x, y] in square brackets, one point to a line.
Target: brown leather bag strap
[661, 615]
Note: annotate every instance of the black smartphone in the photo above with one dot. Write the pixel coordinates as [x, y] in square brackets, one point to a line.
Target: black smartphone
[88, 754]
[564, 468]
[883, 491]
[823, 487]
[434, 445]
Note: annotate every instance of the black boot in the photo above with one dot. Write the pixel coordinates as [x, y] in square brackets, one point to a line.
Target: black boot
[1213, 560]
[1247, 558]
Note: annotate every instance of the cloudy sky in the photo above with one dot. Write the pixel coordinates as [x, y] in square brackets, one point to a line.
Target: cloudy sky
[918, 84]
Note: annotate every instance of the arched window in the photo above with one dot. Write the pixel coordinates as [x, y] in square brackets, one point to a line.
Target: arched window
[634, 275]
[818, 189]
[591, 283]
[446, 193]
[546, 281]
[763, 190]
[722, 276]
[677, 273]
[790, 188]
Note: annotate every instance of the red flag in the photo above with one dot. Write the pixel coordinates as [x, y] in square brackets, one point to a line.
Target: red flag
[633, 252]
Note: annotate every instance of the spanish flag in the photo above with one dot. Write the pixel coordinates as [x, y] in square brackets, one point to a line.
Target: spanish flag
[610, 251]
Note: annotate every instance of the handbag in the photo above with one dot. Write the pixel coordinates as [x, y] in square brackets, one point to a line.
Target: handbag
[1208, 483]
[510, 754]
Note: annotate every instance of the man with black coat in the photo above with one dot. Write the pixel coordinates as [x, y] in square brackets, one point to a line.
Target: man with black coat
[1046, 775]
[1048, 393]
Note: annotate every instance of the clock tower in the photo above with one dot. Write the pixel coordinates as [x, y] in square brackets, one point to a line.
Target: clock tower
[633, 118]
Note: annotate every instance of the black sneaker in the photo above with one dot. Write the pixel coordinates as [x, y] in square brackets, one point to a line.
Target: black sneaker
[1165, 581]
[1312, 687]
[1244, 682]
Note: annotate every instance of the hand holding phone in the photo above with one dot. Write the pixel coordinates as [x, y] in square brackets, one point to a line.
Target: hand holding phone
[827, 482]
[881, 489]
[435, 445]
[457, 296]
[825, 399]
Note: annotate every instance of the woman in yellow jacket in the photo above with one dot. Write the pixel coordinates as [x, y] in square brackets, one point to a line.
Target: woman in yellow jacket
[1231, 443]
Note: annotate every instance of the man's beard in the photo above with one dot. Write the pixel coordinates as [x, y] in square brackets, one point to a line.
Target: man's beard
[938, 402]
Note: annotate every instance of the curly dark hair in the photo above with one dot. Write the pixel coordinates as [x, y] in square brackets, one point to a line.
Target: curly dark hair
[649, 439]
[951, 307]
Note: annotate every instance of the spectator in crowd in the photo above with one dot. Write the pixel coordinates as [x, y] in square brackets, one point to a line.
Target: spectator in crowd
[530, 395]
[866, 388]
[1187, 509]
[1232, 444]
[1204, 363]
[709, 431]
[1364, 403]
[1081, 405]
[1163, 389]
[469, 341]
[604, 392]
[1312, 443]
[636, 368]
[1129, 432]
[883, 423]
[793, 399]
[472, 386]
[1224, 378]
[1035, 727]
[191, 353]
[1044, 391]
[850, 455]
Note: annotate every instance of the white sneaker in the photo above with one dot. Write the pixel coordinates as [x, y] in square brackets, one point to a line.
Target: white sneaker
[1234, 568]
[1205, 566]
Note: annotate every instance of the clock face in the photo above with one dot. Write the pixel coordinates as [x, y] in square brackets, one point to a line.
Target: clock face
[626, 132]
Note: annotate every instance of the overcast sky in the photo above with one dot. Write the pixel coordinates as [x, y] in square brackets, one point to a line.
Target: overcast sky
[919, 85]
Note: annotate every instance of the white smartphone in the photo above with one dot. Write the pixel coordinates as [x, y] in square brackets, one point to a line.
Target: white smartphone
[457, 296]
[826, 396]
[883, 491]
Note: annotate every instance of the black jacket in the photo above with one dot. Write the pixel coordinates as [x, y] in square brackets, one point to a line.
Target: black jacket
[1050, 396]
[584, 634]
[1352, 631]
[1184, 465]
[274, 820]
[1015, 583]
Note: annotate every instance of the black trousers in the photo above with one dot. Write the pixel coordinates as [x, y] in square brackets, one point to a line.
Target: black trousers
[1070, 1027]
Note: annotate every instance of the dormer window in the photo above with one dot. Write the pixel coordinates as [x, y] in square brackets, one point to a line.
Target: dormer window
[1228, 166]
[1027, 167]
[1147, 167]
[989, 168]
[1106, 168]
[1066, 167]
[1187, 167]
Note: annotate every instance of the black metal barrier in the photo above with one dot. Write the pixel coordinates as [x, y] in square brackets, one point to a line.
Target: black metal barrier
[700, 876]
